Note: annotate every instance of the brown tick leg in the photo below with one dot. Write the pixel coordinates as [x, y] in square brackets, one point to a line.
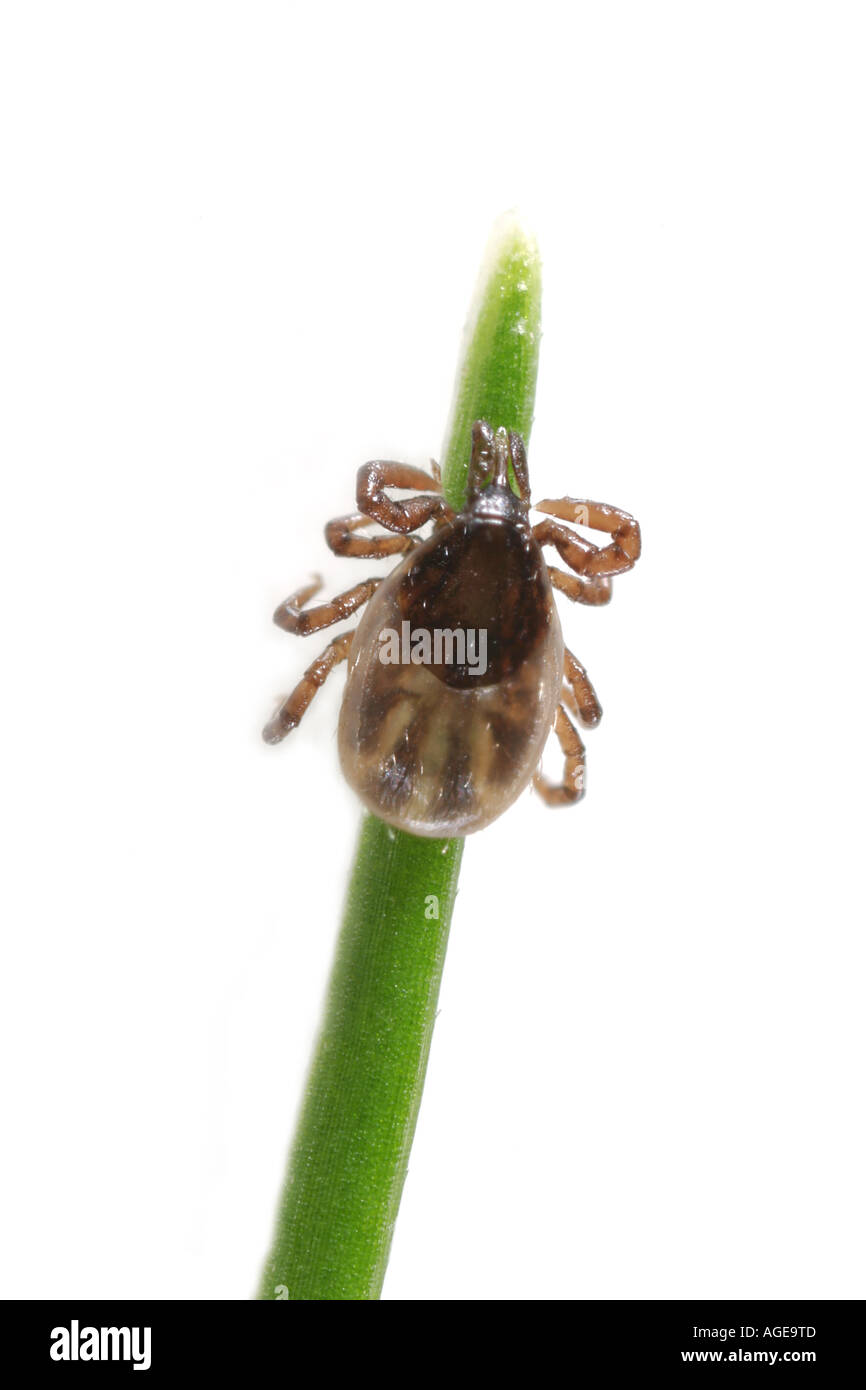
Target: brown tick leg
[583, 557]
[579, 589]
[570, 789]
[373, 501]
[292, 616]
[339, 536]
[574, 550]
[294, 707]
[578, 692]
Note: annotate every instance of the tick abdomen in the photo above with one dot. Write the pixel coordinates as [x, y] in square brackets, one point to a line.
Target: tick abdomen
[441, 747]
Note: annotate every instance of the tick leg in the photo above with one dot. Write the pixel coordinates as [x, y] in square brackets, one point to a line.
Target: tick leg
[582, 556]
[578, 692]
[373, 501]
[292, 616]
[292, 710]
[340, 536]
[580, 589]
[571, 788]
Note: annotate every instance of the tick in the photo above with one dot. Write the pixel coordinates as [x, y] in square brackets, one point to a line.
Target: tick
[433, 738]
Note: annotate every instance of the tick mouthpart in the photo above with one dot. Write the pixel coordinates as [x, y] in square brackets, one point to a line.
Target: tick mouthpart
[497, 470]
[497, 503]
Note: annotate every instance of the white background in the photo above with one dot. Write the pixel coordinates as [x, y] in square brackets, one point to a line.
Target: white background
[239, 243]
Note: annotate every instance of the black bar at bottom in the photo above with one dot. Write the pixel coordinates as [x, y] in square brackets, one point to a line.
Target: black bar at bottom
[223, 1340]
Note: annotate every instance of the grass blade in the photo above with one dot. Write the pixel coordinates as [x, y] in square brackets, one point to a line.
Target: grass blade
[351, 1148]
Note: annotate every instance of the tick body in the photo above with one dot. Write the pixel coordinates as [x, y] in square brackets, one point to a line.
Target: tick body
[457, 670]
[438, 748]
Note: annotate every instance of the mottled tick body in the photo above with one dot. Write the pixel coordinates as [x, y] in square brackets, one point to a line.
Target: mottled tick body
[441, 745]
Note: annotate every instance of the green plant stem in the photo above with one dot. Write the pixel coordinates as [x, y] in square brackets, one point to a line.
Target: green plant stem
[352, 1142]
[496, 380]
[351, 1148]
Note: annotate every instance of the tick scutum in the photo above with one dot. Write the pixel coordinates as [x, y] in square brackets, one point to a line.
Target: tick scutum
[478, 576]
